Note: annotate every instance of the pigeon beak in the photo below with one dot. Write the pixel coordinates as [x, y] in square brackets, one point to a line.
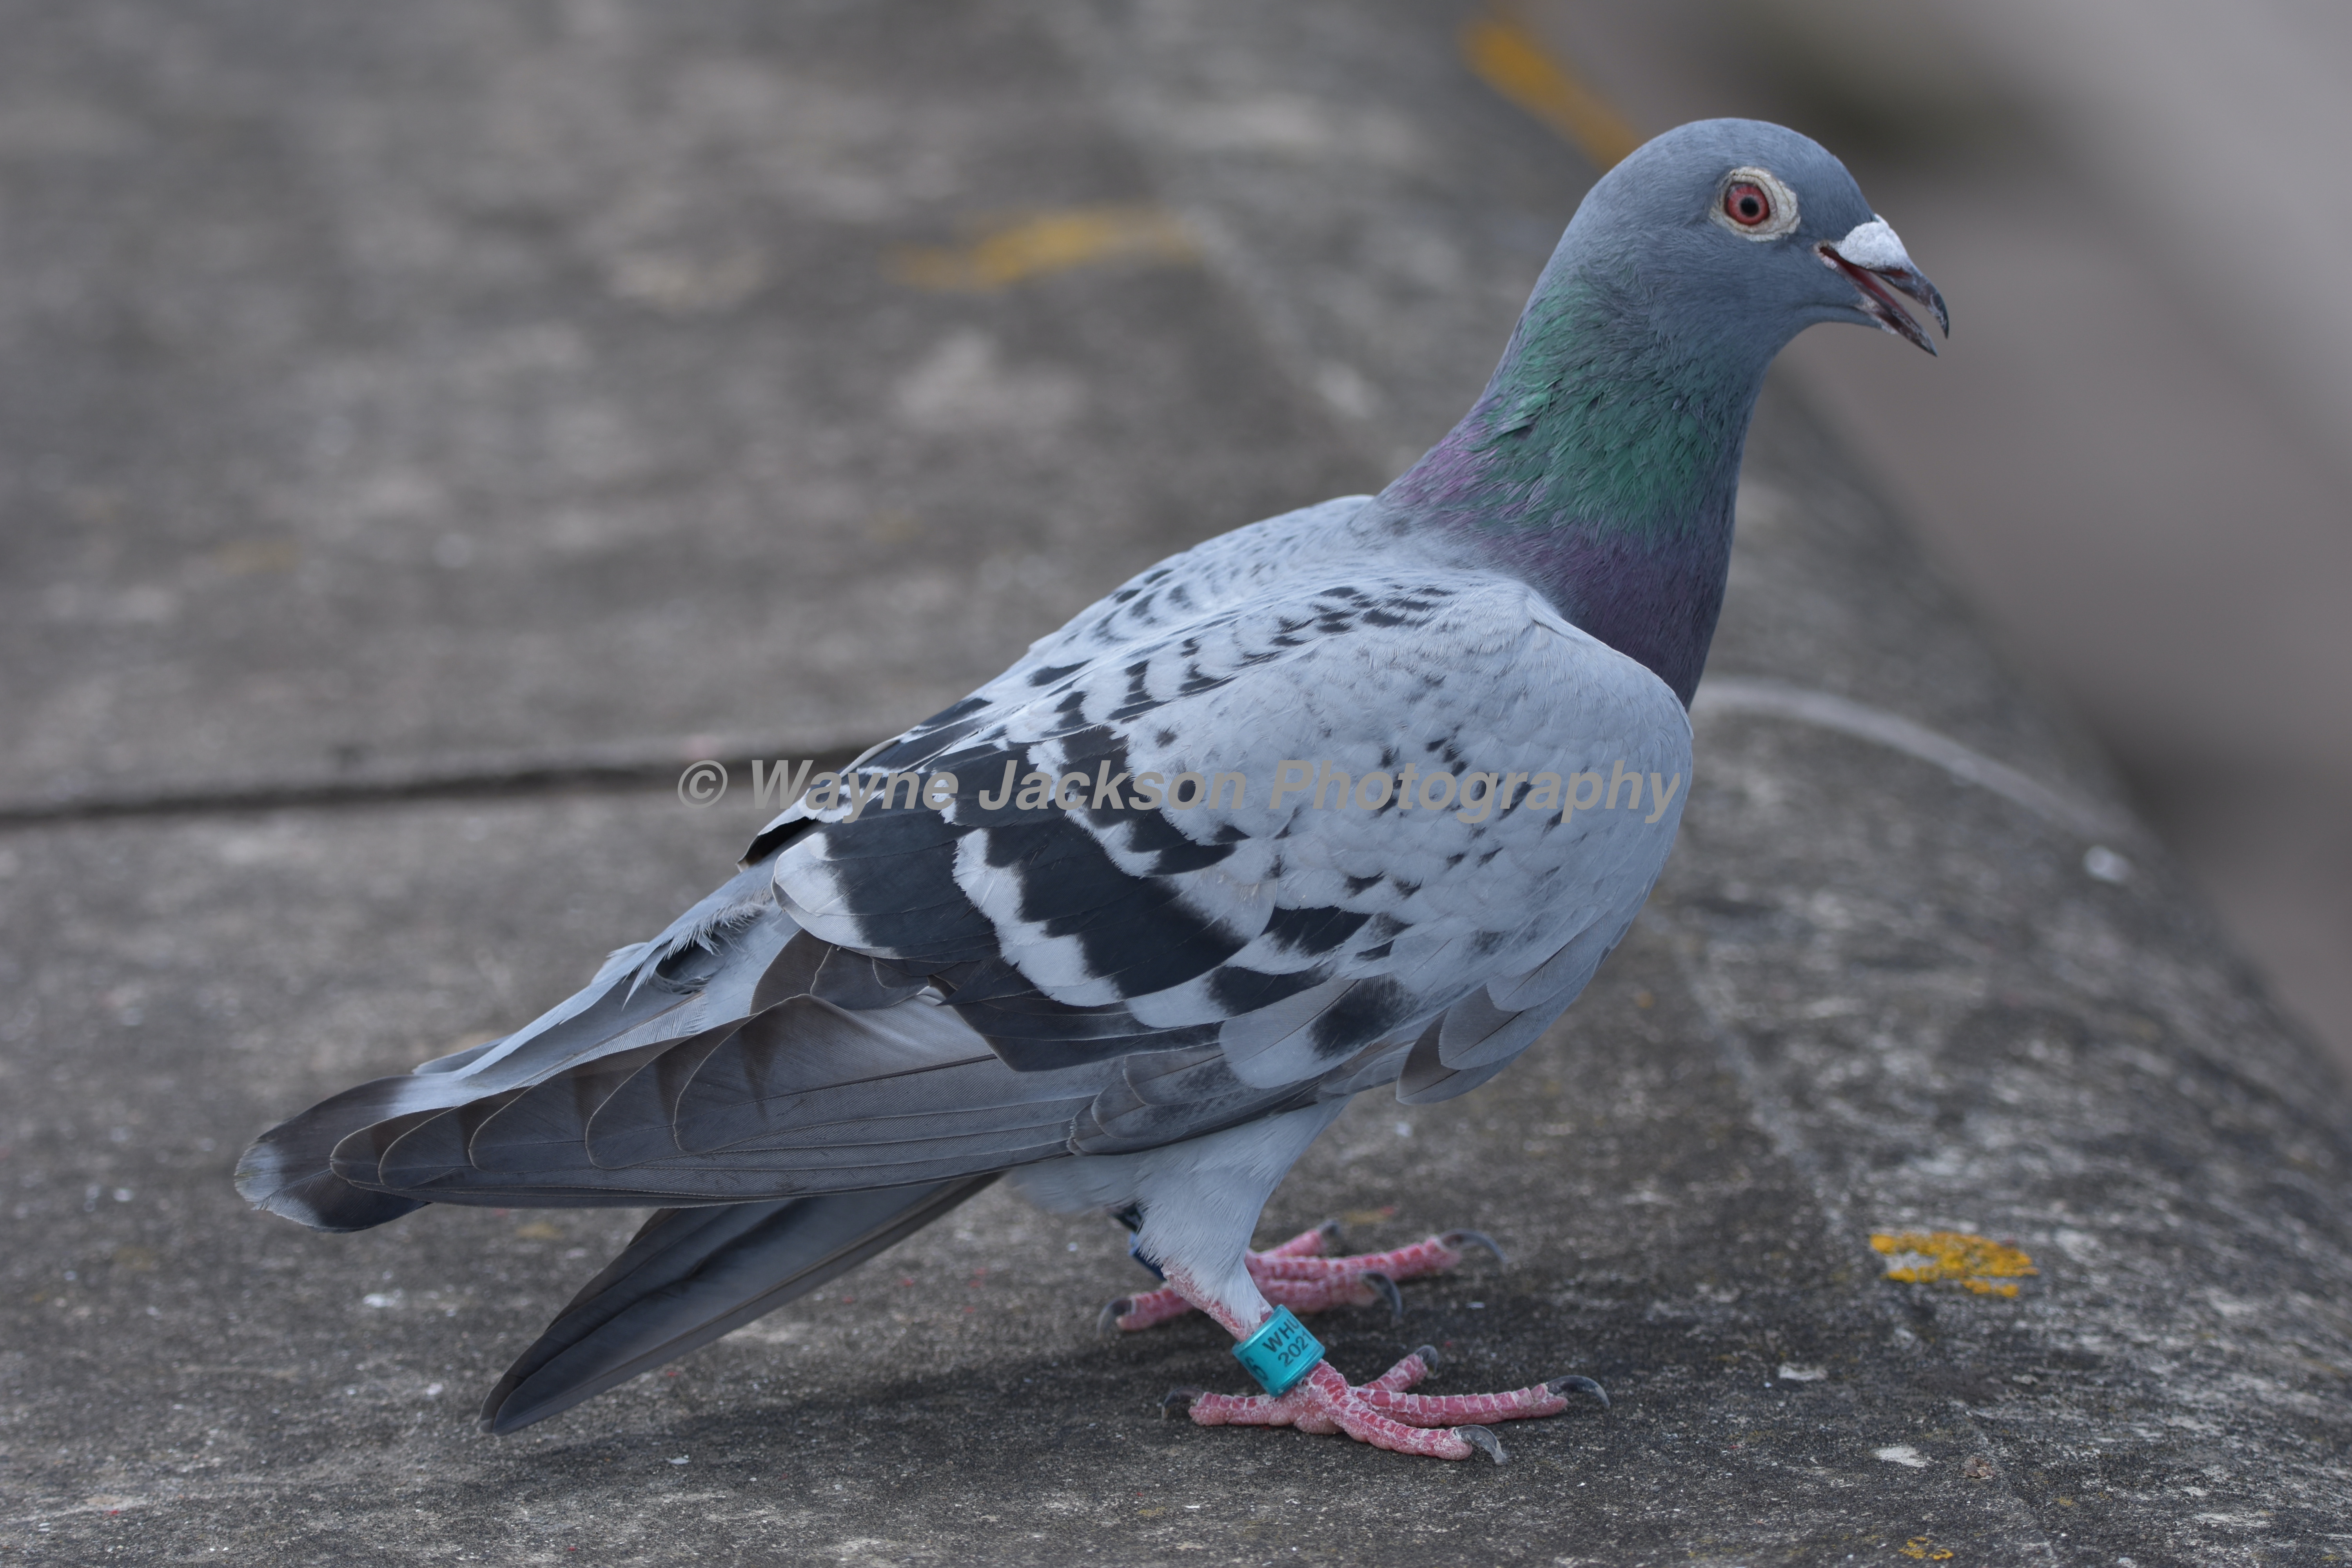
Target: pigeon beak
[1874, 261]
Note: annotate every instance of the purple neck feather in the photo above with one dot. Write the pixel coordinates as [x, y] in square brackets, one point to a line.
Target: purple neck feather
[1600, 467]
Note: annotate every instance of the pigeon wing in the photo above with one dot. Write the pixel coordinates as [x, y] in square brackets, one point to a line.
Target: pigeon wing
[1227, 952]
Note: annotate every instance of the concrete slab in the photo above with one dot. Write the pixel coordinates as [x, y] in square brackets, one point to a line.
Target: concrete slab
[184, 1376]
[537, 381]
[1382, 213]
[1872, 998]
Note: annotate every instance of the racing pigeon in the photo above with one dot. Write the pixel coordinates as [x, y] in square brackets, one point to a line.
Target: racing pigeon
[1357, 797]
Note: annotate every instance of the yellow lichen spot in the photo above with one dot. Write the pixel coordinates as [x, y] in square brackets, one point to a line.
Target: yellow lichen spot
[538, 1230]
[1919, 1546]
[1975, 1263]
[1047, 243]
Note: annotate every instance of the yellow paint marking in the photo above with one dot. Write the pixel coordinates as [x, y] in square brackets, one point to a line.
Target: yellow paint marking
[1046, 242]
[1924, 1256]
[1509, 58]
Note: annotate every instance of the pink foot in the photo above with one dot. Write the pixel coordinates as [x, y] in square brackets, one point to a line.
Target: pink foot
[1442, 1426]
[1298, 1275]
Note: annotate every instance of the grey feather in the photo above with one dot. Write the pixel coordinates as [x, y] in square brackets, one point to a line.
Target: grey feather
[692, 1275]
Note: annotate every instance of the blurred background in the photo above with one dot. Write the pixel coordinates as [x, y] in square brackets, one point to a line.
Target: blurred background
[2136, 452]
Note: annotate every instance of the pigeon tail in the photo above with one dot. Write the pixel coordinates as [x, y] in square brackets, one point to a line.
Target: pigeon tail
[698, 973]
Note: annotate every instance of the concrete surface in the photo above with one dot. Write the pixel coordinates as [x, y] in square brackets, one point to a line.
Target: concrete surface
[1869, 999]
[504, 382]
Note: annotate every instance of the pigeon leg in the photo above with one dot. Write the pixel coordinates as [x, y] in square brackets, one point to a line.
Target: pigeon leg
[1381, 1413]
[1193, 1227]
[1155, 1307]
[1299, 1275]
[1312, 1243]
[1432, 1255]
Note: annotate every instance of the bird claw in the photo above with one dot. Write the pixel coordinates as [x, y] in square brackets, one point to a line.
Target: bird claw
[1485, 1442]
[1428, 1354]
[1457, 1239]
[1107, 1320]
[1385, 1413]
[1177, 1403]
[1386, 1289]
[1582, 1384]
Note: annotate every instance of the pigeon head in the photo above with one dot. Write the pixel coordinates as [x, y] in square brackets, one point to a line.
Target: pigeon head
[1744, 234]
[1601, 463]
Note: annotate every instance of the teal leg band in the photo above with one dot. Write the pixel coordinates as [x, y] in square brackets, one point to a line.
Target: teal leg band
[1281, 1352]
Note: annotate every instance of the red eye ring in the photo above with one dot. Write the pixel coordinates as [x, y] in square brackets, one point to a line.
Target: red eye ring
[1745, 204]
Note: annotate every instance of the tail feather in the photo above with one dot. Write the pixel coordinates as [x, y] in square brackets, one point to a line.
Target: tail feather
[287, 1171]
[669, 989]
[693, 1274]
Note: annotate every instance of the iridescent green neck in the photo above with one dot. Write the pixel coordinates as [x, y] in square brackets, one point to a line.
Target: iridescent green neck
[1599, 466]
[1600, 415]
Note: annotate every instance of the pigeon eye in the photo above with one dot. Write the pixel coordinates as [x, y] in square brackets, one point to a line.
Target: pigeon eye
[1755, 203]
